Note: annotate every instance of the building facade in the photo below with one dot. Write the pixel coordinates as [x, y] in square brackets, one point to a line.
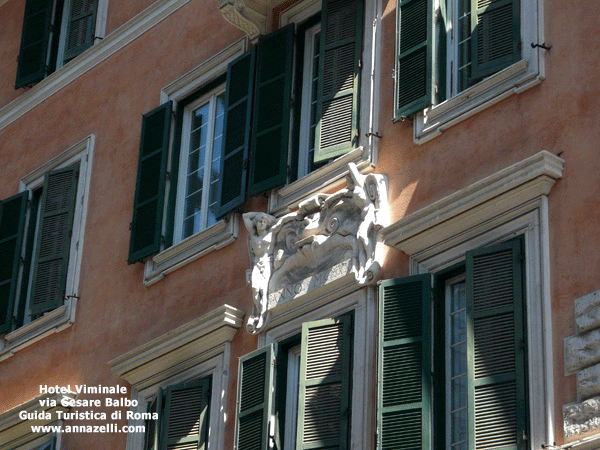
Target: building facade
[308, 224]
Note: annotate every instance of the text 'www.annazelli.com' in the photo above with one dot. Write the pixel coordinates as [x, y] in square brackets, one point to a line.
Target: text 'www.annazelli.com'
[106, 428]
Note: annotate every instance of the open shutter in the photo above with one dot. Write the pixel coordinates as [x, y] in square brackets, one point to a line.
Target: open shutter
[325, 390]
[496, 36]
[495, 358]
[271, 126]
[404, 364]
[12, 225]
[185, 417]
[146, 225]
[35, 40]
[339, 78]
[254, 400]
[414, 57]
[152, 435]
[53, 246]
[81, 27]
[238, 120]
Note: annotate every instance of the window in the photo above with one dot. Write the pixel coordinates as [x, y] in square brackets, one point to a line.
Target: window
[313, 398]
[179, 417]
[477, 391]
[478, 48]
[54, 32]
[41, 234]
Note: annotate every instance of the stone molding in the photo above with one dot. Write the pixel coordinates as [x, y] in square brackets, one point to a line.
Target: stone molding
[251, 19]
[330, 242]
[179, 349]
[582, 357]
[15, 432]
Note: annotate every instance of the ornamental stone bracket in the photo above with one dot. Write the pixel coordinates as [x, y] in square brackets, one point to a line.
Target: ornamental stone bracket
[328, 238]
[247, 15]
[582, 357]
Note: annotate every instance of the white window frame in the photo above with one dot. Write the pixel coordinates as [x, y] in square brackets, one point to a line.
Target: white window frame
[509, 203]
[63, 316]
[518, 77]
[332, 175]
[195, 350]
[362, 302]
[223, 232]
[210, 99]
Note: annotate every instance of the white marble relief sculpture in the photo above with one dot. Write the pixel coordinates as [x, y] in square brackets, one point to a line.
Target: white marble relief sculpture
[328, 237]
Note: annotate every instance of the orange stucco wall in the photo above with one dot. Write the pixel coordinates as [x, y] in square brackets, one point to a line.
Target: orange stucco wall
[117, 312]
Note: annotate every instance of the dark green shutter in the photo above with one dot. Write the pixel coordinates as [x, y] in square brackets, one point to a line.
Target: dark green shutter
[35, 39]
[496, 36]
[404, 364]
[495, 358]
[339, 78]
[254, 400]
[238, 121]
[12, 226]
[80, 28]
[55, 225]
[414, 57]
[271, 126]
[325, 390]
[185, 417]
[152, 435]
[146, 225]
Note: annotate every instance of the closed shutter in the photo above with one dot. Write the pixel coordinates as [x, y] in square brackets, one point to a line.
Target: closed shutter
[254, 400]
[271, 126]
[12, 225]
[325, 389]
[185, 417]
[404, 364]
[339, 78]
[35, 39]
[496, 35]
[146, 225]
[80, 28]
[55, 224]
[496, 366]
[238, 120]
[414, 57]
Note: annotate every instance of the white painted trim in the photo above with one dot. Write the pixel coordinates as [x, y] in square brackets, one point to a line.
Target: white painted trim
[89, 59]
[63, 316]
[299, 12]
[3, 2]
[363, 302]
[16, 433]
[515, 79]
[588, 443]
[509, 203]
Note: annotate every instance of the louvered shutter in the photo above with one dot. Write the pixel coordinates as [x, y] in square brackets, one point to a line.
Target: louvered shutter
[271, 126]
[495, 361]
[254, 400]
[325, 377]
[404, 364]
[35, 39]
[238, 121]
[152, 435]
[414, 57]
[496, 36]
[55, 224]
[185, 417]
[80, 28]
[146, 225]
[12, 225]
[339, 78]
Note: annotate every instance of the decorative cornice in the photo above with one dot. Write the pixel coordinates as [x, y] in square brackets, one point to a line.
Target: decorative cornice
[178, 349]
[487, 198]
[89, 59]
[242, 16]
[15, 432]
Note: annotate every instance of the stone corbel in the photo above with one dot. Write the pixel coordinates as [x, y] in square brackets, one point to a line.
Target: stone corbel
[243, 15]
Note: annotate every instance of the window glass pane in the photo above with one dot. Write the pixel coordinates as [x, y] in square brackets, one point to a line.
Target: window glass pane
[464, 44]
[215, 167]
